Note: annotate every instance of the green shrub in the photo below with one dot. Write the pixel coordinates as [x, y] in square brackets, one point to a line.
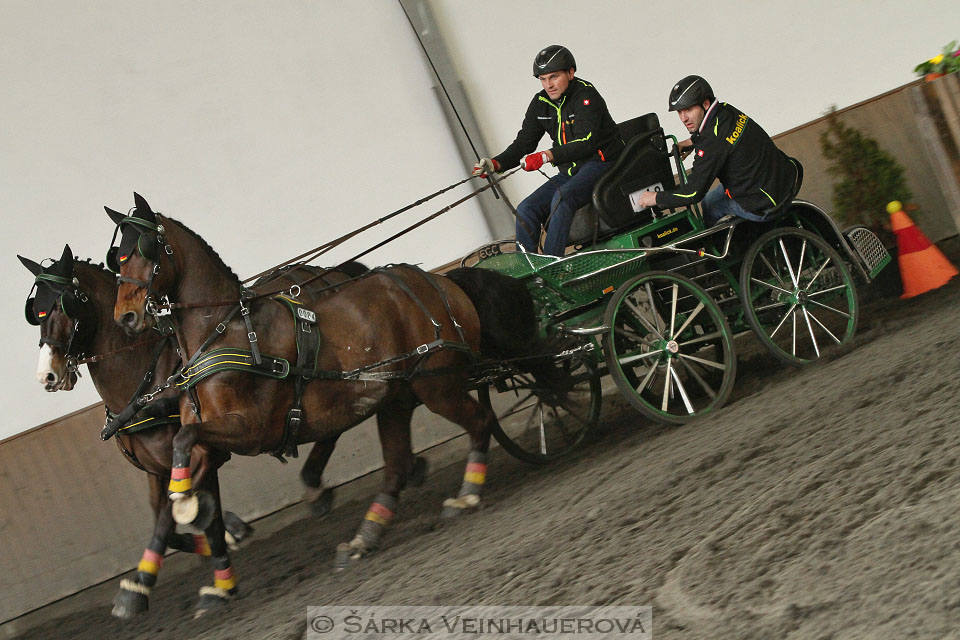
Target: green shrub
[867, 177]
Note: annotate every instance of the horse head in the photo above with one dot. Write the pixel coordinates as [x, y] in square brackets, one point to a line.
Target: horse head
[143, 263]
[66, 319]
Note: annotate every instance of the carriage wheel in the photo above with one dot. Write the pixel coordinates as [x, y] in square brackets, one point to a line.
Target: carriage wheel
[669, 348]
[543, 417]
[797, 294]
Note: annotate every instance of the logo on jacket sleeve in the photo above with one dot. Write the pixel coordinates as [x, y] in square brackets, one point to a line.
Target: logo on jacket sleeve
[699, 153]
[738, 128]
[586, 102]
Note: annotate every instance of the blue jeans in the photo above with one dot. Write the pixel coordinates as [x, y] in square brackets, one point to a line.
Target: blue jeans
[557, 199]
[716, 205]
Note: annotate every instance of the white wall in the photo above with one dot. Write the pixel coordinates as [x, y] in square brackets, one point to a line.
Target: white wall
[269, 128]
[784, 63]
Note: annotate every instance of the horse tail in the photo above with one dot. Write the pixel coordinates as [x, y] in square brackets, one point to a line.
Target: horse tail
[508, 319]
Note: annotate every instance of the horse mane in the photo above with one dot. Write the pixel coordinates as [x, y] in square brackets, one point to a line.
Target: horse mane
[91, 263]
[206, 245]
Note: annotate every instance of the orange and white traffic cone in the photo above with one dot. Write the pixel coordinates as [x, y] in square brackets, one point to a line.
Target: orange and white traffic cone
[923, 267]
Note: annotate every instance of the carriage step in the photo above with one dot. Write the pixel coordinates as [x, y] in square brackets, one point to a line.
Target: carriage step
[869, 248]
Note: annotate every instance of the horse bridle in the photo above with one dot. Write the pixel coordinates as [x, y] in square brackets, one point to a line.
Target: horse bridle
[154, 304]
[62, 286]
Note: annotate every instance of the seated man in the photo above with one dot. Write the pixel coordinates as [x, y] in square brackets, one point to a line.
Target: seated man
[755, 176]
[585, 143]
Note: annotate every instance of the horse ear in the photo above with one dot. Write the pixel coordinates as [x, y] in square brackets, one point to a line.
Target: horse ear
[34, 268]
[116, 216]
[64, 266]
[143, 208]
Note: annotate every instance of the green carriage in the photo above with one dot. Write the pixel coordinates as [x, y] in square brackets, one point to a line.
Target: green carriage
[654, 299]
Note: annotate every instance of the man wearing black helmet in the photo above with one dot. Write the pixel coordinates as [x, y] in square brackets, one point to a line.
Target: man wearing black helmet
[585, 142]
[755, 176]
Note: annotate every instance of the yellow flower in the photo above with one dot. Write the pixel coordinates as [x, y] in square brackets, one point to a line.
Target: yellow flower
[937, 59]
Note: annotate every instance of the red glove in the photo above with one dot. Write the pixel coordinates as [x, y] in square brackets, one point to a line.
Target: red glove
[485, 166]
[534, 161]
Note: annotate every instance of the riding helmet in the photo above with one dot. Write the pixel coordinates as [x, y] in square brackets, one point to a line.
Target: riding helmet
[690, 91]
[553, 58]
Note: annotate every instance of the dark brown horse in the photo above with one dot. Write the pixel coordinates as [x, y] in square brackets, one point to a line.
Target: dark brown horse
[389, 341]
[73, 306]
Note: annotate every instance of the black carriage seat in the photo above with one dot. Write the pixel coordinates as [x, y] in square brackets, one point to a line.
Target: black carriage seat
[643, 163]
[777, 210]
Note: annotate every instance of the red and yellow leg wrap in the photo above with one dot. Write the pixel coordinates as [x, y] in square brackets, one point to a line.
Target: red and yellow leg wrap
[180, 480]
[223, 579]
[150, 562]
[200, 545]
[476, 473]
[379, 513]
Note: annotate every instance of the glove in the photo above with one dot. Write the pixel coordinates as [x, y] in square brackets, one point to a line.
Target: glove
[485, 166]
[534, 161]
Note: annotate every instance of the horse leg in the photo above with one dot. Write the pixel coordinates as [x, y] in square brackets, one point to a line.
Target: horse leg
[317, 497]
[393, 426]
[224, 583]
[197, 508]
[133, 597]
[478, 421]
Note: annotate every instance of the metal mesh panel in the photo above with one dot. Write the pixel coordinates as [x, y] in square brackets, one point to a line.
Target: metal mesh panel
[516, 265]
[869, 248]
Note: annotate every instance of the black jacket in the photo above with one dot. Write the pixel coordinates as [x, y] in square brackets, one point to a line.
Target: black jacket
[733, 148]
[579, 125]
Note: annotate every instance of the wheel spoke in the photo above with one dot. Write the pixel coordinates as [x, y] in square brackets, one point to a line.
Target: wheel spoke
[543, 433]
[573, 412]
[831, 289]
[638, 314]
[822, 326]
[653, 308]
[515, 407]
[673, 308]
[771, 286]
[696, 376]
[683, 392]
[789, 313]
[786, 259]
[628, 359]
[636, 337]
[667, 386]
[776, 274]
[828, 307]
[704, 362]
[693, 315]
[813, 338]
[647, 378]
[819, 271]
[704, 338]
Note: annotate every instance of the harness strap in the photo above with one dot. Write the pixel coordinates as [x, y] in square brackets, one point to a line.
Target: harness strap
[443, 297]
[406, 289]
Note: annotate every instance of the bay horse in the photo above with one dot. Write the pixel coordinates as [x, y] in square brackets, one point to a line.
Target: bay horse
[73, 307]
[388, 341]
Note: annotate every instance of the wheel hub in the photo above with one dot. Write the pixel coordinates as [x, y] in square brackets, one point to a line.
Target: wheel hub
[673, 347]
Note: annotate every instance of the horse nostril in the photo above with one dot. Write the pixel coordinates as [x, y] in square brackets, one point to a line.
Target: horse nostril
[51, 377]
[129, 319]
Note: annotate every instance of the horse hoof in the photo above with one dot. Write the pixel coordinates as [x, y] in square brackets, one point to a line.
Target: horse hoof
[454, 507]
[419, 473]
[236, 527]
[350, 552]
[129, 604]
[212, 598]
[322, 504]
[185, 509]
[197, 510]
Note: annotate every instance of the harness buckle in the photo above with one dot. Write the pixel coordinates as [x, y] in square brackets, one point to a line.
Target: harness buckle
[220, 328]
[294, 416]
[422, 349]
[252, 336]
